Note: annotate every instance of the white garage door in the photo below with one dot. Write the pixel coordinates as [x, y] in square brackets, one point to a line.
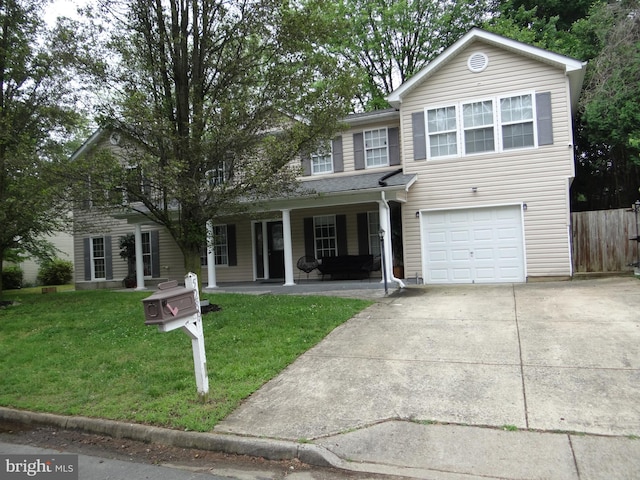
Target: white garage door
[476, 245]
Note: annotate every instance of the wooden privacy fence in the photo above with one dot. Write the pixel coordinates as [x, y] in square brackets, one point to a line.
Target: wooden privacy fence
[602, 240]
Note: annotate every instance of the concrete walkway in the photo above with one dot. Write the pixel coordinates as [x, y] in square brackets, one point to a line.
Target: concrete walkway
[532, 381]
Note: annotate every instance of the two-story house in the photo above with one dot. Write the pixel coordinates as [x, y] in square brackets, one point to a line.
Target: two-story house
[467, 175]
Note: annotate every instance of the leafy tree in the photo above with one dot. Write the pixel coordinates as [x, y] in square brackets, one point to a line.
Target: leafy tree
[609, 125]
[214, 99]
[390, 40]
[36, 115]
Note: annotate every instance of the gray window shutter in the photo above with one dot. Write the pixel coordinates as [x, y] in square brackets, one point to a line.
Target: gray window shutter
[363, 234]
[358, 151]
[545, 122]
[87, 258]
[155, 253]
[419, 138]
[306, 164]
[338, 162]
[394, 146]
[341, 234]
[108, 258]
[232, 249]
[309, 238]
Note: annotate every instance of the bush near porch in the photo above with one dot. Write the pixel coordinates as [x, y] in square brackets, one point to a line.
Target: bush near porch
[89, 353]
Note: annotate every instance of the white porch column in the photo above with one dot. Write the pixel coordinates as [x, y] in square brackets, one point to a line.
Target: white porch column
[288, 248]
[385, 224]
[211, 258]
[139, 259]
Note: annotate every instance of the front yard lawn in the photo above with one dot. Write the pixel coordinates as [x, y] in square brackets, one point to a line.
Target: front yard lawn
[89, 353]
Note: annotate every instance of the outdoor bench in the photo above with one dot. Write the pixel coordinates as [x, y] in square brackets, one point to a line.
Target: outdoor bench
[346, 266]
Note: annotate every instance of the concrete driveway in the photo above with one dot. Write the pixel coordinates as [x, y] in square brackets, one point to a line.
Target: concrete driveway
[557, 356]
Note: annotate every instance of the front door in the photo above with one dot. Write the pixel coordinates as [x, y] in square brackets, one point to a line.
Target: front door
[275, 245]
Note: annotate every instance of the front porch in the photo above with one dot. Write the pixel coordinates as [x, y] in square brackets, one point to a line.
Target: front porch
[371, 289]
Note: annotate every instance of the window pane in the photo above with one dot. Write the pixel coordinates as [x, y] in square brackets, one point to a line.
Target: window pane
[478, 114]
[325, 236]
[479, 140]
[220, 245]
[99, 265]
[374, 238]
[99, 268]
[322, 160]
[375, 145]
[443, 144]
[516, 109]
[146, 253]
[518, 135]
[441, 119]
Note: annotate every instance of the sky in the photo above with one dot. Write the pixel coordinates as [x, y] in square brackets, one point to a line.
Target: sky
[64, 8]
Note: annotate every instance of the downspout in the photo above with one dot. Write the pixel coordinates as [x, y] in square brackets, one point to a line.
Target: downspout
[385, 205]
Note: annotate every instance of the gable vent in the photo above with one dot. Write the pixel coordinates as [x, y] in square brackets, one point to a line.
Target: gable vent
[477, 62]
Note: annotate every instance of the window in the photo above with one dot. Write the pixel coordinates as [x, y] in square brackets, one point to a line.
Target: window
[98, 258]
[324, 234]
[373, 221]
[490, 125]
[442, 129]
[322, 160]
[376, 148]
[220, 247]
[478, 127]
[516, 114]
[217, 176]
[146, 253]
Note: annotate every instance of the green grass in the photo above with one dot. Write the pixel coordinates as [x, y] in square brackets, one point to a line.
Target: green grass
[89, 353]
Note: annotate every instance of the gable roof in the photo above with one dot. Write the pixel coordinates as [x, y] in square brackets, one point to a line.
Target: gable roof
[573, 69]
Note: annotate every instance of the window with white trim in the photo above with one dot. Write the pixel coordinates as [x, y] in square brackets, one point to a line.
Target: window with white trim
[325, 236]
[488, 125]
[220, 247]
[322, 159]
[98, 258]
[376, 148]
[373, 221]
[146, 253]
[478, 125]
[218, 175]
[442, 129]
[516, 114]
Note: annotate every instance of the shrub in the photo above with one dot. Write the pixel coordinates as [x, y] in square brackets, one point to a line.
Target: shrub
[55, 272]
[11, 278]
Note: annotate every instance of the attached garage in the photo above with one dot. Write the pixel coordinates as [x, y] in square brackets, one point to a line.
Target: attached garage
[474, 245]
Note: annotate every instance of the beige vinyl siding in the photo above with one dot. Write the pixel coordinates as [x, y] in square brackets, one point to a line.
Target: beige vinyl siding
[243, 271]
[171, 261]
[535, 176]
[347, 146]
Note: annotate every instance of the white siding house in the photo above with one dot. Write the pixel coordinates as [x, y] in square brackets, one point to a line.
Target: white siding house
[468, 174]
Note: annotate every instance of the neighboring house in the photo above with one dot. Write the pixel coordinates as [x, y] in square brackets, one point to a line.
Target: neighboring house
[468, 175]
[62, 241]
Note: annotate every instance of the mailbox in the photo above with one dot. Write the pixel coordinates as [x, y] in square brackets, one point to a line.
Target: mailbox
[170, 302]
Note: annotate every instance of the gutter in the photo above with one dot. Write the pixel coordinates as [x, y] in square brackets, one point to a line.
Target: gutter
[382, 182]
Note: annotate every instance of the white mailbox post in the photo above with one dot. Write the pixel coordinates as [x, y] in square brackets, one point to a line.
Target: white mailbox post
[173, 307]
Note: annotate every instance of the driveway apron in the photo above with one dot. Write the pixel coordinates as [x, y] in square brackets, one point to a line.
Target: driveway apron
[540, 356]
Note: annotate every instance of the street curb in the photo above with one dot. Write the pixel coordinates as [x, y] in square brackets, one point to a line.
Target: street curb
[225, 443]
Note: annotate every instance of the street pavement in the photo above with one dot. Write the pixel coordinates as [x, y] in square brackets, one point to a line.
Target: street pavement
[525, 381]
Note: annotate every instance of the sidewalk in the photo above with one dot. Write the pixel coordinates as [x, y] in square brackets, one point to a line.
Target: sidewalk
[533, 381]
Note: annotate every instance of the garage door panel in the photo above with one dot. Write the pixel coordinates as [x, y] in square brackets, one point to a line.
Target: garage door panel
[474, 245]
